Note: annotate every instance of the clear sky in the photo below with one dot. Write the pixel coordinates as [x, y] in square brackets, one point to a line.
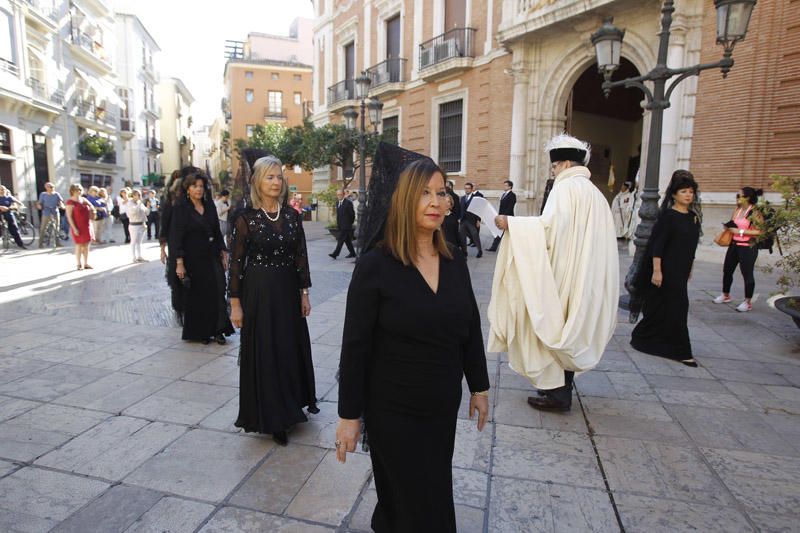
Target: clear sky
[192, 34]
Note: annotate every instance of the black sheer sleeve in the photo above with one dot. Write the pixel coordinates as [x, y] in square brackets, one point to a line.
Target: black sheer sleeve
[474, 353]
[213, 220]
[177, 230]
[361, 317]
[238, 254]
[166, 218]
[660, 235]
[301, 257]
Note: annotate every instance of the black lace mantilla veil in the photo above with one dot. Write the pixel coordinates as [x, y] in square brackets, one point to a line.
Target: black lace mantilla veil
[387, 165]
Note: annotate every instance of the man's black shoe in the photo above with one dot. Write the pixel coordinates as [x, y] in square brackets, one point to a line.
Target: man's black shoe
[472, 244]
[546, 403]
[480, 254]
[333, 256]
[491, 249]
[349, 256]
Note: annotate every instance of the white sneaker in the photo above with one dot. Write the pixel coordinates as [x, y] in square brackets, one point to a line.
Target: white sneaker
[744, 307]
[722, 299]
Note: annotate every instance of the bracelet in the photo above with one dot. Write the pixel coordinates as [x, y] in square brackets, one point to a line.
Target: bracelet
[484, 393]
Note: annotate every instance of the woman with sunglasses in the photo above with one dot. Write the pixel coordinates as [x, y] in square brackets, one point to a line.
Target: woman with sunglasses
[742, 251]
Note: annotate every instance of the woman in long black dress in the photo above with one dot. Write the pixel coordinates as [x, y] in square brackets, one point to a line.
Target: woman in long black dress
[173, 192]
[200, 255]
[269, 282]
[412, 332]
[665, 275]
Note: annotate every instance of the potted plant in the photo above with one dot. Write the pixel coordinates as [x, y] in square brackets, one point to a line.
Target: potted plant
[328, 197]
[783, 221]
[95, 146]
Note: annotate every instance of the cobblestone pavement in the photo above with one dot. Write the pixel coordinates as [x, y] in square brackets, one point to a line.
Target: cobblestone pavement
[108, 422]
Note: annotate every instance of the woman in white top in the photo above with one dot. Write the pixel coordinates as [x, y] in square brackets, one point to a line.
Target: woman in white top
[137, 217]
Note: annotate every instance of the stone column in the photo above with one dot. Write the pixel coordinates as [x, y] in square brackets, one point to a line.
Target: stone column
[519, 118]
[676, 58]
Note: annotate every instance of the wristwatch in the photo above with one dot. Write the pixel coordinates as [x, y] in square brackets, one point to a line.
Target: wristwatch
[304, 291]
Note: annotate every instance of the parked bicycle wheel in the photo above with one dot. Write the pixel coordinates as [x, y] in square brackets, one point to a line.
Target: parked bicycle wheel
[27, 232]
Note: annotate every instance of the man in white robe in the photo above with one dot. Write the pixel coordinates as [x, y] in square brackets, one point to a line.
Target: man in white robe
[622, 211]
[556, 282]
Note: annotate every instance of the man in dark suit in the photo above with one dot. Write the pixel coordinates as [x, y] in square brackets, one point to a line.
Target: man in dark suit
[507, 202]
[345, 217]
[470, 223]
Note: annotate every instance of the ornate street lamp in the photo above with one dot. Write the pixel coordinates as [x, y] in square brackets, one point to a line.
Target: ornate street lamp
[350, 115]
[733, 18]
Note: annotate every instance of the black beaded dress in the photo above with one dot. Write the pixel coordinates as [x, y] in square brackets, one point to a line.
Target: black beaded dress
[269, 267]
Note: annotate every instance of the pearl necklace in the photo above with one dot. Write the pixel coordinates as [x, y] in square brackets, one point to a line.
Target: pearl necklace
[277, 215]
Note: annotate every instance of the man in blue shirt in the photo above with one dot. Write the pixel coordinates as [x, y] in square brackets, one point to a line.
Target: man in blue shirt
[9, 204]
[49, 203]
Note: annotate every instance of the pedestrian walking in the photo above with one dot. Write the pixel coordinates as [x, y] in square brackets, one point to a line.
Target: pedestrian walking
[101, 214]
[555, 291]
[173, 192]
[470, 223]
[508, 200]
[345, 218]
[456, 209]
[9, 205]
[200, 261]
[137, 217]
[450, 226]
[152, 203]
[665, 273]
[120, 204]
[622, 209]
[412, 332]
[50, 202]
[743, 250]
[79, 216]
[223, 205]
[104, 200]
[269, 285]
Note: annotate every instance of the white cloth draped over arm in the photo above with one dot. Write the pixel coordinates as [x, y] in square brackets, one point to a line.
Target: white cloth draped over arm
[556, 285]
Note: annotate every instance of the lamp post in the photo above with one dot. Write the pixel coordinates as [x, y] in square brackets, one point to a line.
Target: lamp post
[374, 107]
[733, 18]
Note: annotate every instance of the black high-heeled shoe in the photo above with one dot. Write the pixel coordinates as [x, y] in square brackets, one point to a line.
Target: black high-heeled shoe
[313, 409]
[689, 362]
[220, 339]
[281, 437]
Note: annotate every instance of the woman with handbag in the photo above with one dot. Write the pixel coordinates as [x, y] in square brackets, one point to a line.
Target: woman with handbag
[269, 282]
[412, 332]
[741, 235]
[200, 261]
[665, 272]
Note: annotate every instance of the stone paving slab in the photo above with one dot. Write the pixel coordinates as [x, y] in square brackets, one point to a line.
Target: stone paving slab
[135, 432]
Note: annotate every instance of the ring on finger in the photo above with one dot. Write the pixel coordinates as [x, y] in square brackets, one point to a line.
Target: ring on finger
[337, 444]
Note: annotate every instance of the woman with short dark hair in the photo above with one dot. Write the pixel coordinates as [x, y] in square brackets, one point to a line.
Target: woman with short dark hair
[200, 261]
[269, 282]
[665, 272]
[79, 216]
[412, 332]
[742, 251]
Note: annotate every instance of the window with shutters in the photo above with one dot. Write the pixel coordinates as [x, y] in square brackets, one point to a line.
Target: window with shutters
[391, 129]
[450, 135]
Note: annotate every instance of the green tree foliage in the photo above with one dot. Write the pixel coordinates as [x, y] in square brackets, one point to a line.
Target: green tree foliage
[784, 221]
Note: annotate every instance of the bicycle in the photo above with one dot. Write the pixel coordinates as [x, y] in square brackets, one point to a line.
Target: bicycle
[6, 235]
[51, 234]
[26, 229]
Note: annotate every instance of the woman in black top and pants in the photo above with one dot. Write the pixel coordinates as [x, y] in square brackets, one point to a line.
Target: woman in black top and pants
[412, 332]
[200, 256]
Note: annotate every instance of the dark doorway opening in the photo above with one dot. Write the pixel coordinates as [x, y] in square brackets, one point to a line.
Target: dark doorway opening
[612, 125]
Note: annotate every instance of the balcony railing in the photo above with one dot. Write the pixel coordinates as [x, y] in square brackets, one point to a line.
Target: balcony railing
[37, 88]
[109, 158]
[57, 97]
[344, 90]
[91, 111]
[127, 125]
[8, 66]
[46, 9]
[458, 42]
[90, 45]
[155, 145]
[390, 71]
[275, 113]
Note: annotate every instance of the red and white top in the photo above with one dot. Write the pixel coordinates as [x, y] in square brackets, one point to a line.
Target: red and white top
[743, 223]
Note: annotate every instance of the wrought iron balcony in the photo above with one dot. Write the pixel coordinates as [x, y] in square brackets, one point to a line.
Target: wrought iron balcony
[86, 42]
[37, 88]
[448, 52]
[342, 91]
[127, 125]
[387, 77]
[109, 158]
[273, 113]
[97, 113]
[155, 145]
[8, 66]
[47, 10]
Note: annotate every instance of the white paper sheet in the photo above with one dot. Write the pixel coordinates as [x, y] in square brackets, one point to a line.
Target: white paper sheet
[486, 212]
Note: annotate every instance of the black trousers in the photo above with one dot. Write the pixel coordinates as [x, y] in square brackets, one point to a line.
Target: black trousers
[346, 238]
[12, 228]
[564, 394]
[745, 258]
[468, 229]
[496, 242]
[124, 220]
[153, 219]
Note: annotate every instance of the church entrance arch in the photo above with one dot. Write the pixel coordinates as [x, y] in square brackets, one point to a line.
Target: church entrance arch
[613, 126]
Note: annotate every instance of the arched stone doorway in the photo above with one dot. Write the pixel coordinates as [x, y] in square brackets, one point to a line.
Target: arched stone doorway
[613, 126]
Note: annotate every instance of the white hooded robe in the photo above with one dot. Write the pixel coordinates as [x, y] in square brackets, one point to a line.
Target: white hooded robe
[556, 284]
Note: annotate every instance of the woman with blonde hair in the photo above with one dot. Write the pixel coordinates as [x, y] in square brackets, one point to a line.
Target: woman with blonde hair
[412, 332]
[269, 282]
[79, 216]
[200, 256]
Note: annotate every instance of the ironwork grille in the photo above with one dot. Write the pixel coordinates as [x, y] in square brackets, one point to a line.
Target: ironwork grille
[450, 121]
[5, 141]
[391, 126]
